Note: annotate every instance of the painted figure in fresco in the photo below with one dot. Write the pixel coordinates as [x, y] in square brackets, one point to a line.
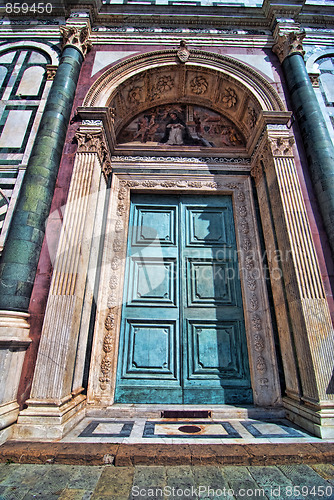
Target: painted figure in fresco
[235, 137]
[198, 125]
[152, 128]
[176, 132]
[142, 129]
[225, 136]
[167, 125]
[146, 128]
[199, 131]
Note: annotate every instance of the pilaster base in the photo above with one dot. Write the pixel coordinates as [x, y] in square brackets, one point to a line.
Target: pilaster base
[318, 420]
[49, 421]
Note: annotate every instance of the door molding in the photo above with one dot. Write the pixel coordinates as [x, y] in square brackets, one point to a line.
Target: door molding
[259, 331]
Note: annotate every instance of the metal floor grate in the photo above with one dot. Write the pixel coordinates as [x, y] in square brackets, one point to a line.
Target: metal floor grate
[186, 414]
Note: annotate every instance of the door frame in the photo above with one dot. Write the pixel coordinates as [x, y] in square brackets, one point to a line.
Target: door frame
[258, 323]
[182, 380]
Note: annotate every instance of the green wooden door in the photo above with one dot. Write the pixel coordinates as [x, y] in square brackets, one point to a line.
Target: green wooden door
[182, 332]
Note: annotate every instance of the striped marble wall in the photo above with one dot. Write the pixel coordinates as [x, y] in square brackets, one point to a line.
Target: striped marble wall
[23, 92]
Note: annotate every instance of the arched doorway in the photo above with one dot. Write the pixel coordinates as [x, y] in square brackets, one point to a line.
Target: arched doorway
[118, 172]
[217, 117]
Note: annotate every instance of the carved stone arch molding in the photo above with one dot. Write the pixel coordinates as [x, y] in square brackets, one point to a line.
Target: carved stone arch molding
[100, 92]
[221, 83]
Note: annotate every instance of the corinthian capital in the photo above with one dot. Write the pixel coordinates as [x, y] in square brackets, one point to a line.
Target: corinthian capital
[78, 36]
[288, 43]
[91, 139]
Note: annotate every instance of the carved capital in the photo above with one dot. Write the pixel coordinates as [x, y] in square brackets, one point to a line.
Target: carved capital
[281, 146]
[314, 77]
[51, 71]
[94, 142]
[288, 43]
[256, 172]
[78, 36]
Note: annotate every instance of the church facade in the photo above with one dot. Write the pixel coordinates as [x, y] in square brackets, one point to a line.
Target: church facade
[167, 201]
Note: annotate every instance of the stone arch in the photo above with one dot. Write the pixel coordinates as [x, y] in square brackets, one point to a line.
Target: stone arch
[234, 69]
[311, 63]
[229, 87]
[221, 84]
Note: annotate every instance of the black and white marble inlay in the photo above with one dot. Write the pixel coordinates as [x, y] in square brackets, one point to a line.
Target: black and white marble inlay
[182, 429]
[107, 429]
[272, 429]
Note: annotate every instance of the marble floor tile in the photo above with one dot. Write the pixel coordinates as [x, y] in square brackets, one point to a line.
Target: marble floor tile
[186, 431]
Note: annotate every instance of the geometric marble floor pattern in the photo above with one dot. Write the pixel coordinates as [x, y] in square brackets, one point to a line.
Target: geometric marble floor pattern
[172, 431]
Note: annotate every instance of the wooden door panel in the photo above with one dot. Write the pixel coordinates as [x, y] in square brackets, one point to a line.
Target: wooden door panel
[215, 357]
[153, 282]
[151, 349]
[149, 358]
[208, 283]
[154, 226]
[214, 352]
[206, 226]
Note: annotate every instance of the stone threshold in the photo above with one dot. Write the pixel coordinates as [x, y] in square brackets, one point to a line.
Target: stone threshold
[225, 412]
[125, 455]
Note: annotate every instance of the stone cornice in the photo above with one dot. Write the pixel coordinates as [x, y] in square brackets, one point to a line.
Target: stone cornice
[182, 15]
[104, 114]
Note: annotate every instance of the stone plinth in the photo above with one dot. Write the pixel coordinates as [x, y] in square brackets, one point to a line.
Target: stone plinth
[14, 341]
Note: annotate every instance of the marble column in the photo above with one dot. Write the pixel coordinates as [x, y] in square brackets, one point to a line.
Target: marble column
[56, 394]
[26, 233]
[316, 139]
[22, 249]
[304, 322]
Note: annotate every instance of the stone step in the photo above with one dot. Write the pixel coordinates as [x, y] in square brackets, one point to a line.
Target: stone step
[124, 454]
[218, 412]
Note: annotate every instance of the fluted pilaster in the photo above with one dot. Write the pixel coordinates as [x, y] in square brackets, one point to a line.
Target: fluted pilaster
[60, 345]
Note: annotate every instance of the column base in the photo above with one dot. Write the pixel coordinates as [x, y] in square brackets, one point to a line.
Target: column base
[8, 415]
[14, 341]
[49, 421]
[318, 420]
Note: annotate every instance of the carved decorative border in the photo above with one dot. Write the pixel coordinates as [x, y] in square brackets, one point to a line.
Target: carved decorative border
[184, 159]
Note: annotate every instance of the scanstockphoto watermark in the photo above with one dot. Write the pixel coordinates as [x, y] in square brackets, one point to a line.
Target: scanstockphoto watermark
[207, 492]
[75, 233]
[192, 492]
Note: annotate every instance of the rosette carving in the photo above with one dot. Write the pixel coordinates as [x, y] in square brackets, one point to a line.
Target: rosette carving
[229, 98]
[198, 85]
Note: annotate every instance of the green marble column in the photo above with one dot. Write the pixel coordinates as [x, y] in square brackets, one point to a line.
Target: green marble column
[22, 249]
[317, 142]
